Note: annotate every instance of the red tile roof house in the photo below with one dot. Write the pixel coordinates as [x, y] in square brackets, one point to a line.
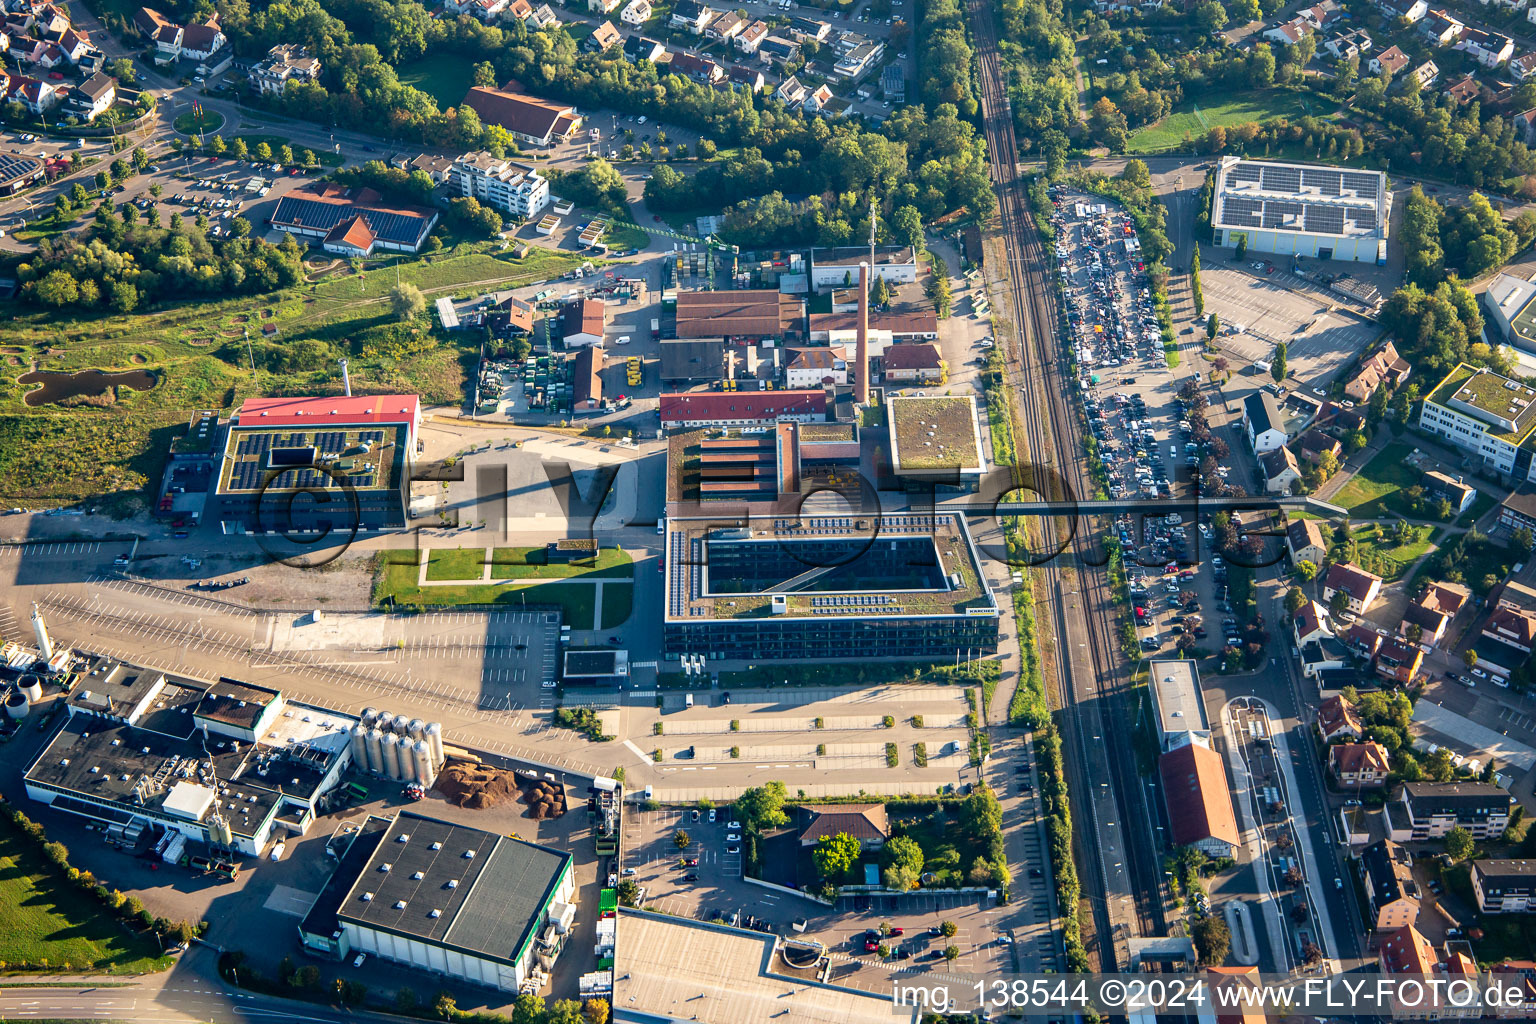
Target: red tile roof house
[1360, 588]
[1433, 611]
[1336, 718]
[920, 363]
[865, 822]
[1356, 765]
[1314, 442]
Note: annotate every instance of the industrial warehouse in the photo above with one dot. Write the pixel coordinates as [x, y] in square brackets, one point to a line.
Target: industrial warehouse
[909, 586]
[446, 898]
[317, 465]
[1324, 213]
[228, 765]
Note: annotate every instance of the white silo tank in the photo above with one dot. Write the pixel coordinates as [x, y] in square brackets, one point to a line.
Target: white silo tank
[359, 741]
[32, 686]
[370, 717]
[425, 773]
[417, 730]
[435, 741]
[375, 741]
[407, 759]
[392, 755]
[17, 704]
[401, 725]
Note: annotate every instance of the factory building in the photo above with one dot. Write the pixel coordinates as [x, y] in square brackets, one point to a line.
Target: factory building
[826, 587]
[227, 764]
[1325, 213]
[449, 899]
[318, 465]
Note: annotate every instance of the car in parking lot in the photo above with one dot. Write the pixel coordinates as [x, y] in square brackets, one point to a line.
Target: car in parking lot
[734, 837]
[733, 849]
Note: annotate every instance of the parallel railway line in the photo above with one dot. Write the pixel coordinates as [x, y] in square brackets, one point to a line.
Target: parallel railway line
[1095, 684]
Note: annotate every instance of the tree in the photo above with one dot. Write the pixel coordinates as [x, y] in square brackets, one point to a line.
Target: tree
[1459, 844]
[1277, 367]
[1295, 600]
[628, 892]
[596, 1010]
[1242, 247]
[1327, 464]
[681, 839]
[938, 289]
[263, 152]
[1340, 603]
[1107, 125]
[407, 301]
[1212, 327]
[1306, 570]
[948, 929]
[57, 289]
[835, 855]
[1522, 541]
[238, 149]
[900, 878]
[762, 807]
[485, 75]
[1470, 657]
[1194, 284]
[951, 953]
[1213, 940]
[903, 852]
[906, 225]
[285, 154]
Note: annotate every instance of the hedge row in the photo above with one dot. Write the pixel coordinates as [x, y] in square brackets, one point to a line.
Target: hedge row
[1053, 796]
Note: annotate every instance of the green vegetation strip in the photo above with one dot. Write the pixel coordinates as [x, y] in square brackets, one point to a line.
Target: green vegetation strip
[1053, 794]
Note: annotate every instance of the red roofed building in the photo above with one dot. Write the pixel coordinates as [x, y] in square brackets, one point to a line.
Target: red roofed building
[350, 238]
[1336, 718]
[1363, 639]
[355, 409]
[1358, 765]
[742, 408]
[1405, 950]
[528, 118]
[1360, 588]
[916, 364]
[1516, 629]
[1199, 801]
[583, 322]
[1399, 660]
[865, 822]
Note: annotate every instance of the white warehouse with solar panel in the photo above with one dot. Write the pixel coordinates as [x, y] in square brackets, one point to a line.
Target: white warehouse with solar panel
[1325, 213]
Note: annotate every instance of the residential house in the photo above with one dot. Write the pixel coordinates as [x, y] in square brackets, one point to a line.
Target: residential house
[638, 48]
[893, 85]
[543, 16]
[1504, 886]
[1349, 45]
[1441, 27]
[70, 43]
[748, 78]
[485, 10]
[1525, 126]
[1512, 628]
[636, 13]
[1428, 810]
[818, 99]
[1280, 470]
[1405, 950]
[1314, 443]
[1389, 62]
[1411, 11]
[1360, 588]
[1399, 660]
[1305, 542]
[1390, 888]
[284, 63]
[1433, 610]
[791, 92]
[1264, 422]
[1514, 596]
[1310, 623]
[528, 119]
[699, 69]
[1359, 765]
[1336, 719]
[603, 37]
[801, 29]
[774, 50]
[1463, 90]
[1490, 49]
[691, 16]
[1363, 640]
[918, 363]
[1426, 74]
[859, 61]
[815, 367]
[92, 97]
[1384, 366]
[1288, 33]
[511, 317]
[726, 27]
[1523, 66]
[868, 823]
[751, 37]
[36, 95]
[521, 10]
[1321, 15]
[1456, 492]
[603, 8]
[147, 22]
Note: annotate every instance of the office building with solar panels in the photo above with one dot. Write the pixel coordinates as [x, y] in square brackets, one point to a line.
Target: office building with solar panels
[826, 587]
[1325, 213]
[352, 222]
[318, 465]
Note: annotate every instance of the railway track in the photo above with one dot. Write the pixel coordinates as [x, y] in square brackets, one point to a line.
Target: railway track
[1094, 686]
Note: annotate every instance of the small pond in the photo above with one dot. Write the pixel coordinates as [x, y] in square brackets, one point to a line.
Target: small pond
[56, 386]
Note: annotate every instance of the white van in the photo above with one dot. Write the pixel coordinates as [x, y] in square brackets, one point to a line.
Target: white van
[688, 701]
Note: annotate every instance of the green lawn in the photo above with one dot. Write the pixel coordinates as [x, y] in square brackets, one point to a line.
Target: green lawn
[49, 921]
[1196, 118]
[1385, 557]
[48, 454]
[577, 600]
[191, 124]
[623, 235]
[455, 563]
[1372, 493]
[445, 79]
[529, 563]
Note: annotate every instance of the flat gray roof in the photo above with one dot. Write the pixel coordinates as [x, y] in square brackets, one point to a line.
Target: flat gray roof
[1176, 693]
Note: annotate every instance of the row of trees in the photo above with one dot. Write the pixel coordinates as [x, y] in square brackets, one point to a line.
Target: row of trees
[1468, 240]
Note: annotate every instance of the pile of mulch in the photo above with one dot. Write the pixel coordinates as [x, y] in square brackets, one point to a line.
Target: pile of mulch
[544, 799]
[476, 786]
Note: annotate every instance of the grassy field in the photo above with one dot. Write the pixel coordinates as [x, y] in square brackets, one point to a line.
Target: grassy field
[623, 235]
[192, 124]
[524, 563]
[1387, 558]
[48, 921]
[577, 600]
[1224, 111]
[444, 79]
[1372, 493]
[49, 454]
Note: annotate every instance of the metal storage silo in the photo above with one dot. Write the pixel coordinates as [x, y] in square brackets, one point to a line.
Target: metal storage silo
[401, 725]
[32, 686]
[375, 743]
[17, 704]
[435, 741]
[392, 755]
[370, 718]
[425, 773]
[417, 730]
[359, 741]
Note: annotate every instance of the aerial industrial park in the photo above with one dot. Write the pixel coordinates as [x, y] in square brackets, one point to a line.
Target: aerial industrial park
[627, 511]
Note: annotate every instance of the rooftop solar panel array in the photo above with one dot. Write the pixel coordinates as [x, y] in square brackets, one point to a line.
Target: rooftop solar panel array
[12, 166]
[1329, 183]
[1242, 212]
[1325, 220]
[399, 228]
[1282, 179]
[1279, 215]
[1364, 219]
[1244, 172]
[1364, 185]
